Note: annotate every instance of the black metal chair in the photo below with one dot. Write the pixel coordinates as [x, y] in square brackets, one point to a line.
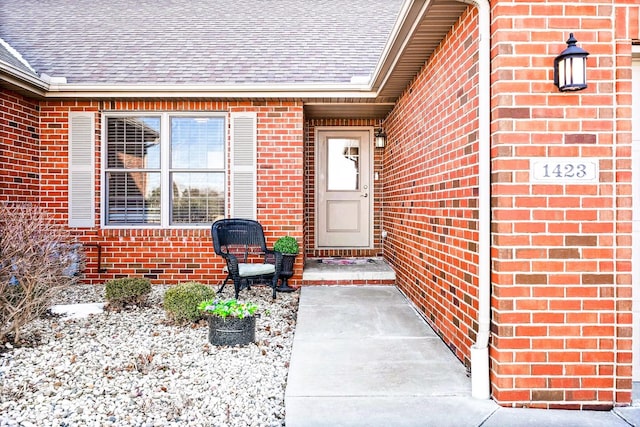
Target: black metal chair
[242, 244]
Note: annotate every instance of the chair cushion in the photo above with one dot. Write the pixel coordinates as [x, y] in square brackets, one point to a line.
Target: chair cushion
[248, 270]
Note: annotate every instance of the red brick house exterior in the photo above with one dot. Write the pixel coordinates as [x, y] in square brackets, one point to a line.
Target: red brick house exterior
[555, 259]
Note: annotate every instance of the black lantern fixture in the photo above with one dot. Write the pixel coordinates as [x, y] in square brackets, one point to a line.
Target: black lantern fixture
[380, 138]
[570, 67]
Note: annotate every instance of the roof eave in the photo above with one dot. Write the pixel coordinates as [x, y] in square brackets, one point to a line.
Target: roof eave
[420, 28]
[208, 91]
[408, 18]
[22, 81]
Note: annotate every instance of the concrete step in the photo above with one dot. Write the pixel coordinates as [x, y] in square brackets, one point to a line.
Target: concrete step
[348, 271]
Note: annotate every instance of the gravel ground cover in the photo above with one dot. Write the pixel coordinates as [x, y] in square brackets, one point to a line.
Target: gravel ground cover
[134, 368]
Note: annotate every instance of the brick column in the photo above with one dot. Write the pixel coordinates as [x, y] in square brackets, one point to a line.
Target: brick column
[561, 251]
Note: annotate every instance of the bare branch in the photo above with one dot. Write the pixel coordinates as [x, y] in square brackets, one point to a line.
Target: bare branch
[38, 259]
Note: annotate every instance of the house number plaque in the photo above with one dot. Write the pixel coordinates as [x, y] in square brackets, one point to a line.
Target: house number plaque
[564, 170]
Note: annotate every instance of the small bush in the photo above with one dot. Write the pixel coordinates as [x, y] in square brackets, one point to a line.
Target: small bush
[181, 301]
[127, 291]
[286, 245]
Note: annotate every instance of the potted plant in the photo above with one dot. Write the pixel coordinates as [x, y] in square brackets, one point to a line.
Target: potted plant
[230, 321]
[289, 248]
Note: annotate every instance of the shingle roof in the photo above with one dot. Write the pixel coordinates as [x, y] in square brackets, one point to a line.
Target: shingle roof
[9, 55]
[223, 42]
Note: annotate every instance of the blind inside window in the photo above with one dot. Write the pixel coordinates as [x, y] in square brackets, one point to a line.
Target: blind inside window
[133, 170]
[166, 169]
[197, 169]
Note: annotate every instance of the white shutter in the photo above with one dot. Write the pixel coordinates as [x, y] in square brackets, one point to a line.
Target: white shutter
[81, 169]
[243, 165]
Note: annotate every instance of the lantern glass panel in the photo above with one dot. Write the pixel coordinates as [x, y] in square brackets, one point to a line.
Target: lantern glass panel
[578, 70]
[561, 72]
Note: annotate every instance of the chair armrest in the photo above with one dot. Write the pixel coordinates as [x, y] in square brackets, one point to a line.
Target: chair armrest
[277, 259]
[232, 264]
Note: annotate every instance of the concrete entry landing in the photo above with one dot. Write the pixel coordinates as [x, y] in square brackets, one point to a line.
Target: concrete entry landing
[362, 356]
[329, 271]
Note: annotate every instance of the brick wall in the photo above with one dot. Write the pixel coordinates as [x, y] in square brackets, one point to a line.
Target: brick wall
[175, 255]
[561, 252]
[310, 190]
[19, 148]
[561, 283]
[431, 189]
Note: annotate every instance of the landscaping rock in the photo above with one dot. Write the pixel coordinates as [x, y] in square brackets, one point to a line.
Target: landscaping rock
[134, 368]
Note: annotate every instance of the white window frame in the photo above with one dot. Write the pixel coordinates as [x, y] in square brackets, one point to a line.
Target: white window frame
[165, 152]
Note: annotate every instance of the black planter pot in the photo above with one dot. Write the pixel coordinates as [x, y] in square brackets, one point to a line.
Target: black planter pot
[231, 330]
[286, 272]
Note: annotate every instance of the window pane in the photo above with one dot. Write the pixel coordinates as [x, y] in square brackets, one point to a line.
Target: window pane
[197, 198]
[343, 164]
[197, 142]
[133, 142]
[134, 198]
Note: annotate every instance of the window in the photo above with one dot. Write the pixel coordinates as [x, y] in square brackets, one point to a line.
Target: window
[164, 170]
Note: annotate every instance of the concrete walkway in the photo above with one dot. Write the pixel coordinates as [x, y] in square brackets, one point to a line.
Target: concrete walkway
[362, 356]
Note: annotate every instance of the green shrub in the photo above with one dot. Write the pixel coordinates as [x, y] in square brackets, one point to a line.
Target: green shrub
[127, 291]
[181, 301]
[286, 245]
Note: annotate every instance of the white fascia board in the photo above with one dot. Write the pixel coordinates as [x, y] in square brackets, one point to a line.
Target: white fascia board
[209, 91]
[19, 78]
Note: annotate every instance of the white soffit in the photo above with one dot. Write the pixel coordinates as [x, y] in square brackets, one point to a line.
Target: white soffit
[426, 24]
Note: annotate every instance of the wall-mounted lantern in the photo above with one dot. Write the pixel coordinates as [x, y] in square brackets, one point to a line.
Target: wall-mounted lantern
[570, 67]
[380, 138]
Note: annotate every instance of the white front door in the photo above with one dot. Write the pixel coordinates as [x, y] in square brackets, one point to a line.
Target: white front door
[343, 185]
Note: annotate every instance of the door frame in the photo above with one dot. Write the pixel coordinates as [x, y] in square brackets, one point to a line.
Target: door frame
[372, 195]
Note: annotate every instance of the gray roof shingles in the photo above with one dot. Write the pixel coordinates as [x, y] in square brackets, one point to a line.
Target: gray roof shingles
[223, 42]
[9, 57]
